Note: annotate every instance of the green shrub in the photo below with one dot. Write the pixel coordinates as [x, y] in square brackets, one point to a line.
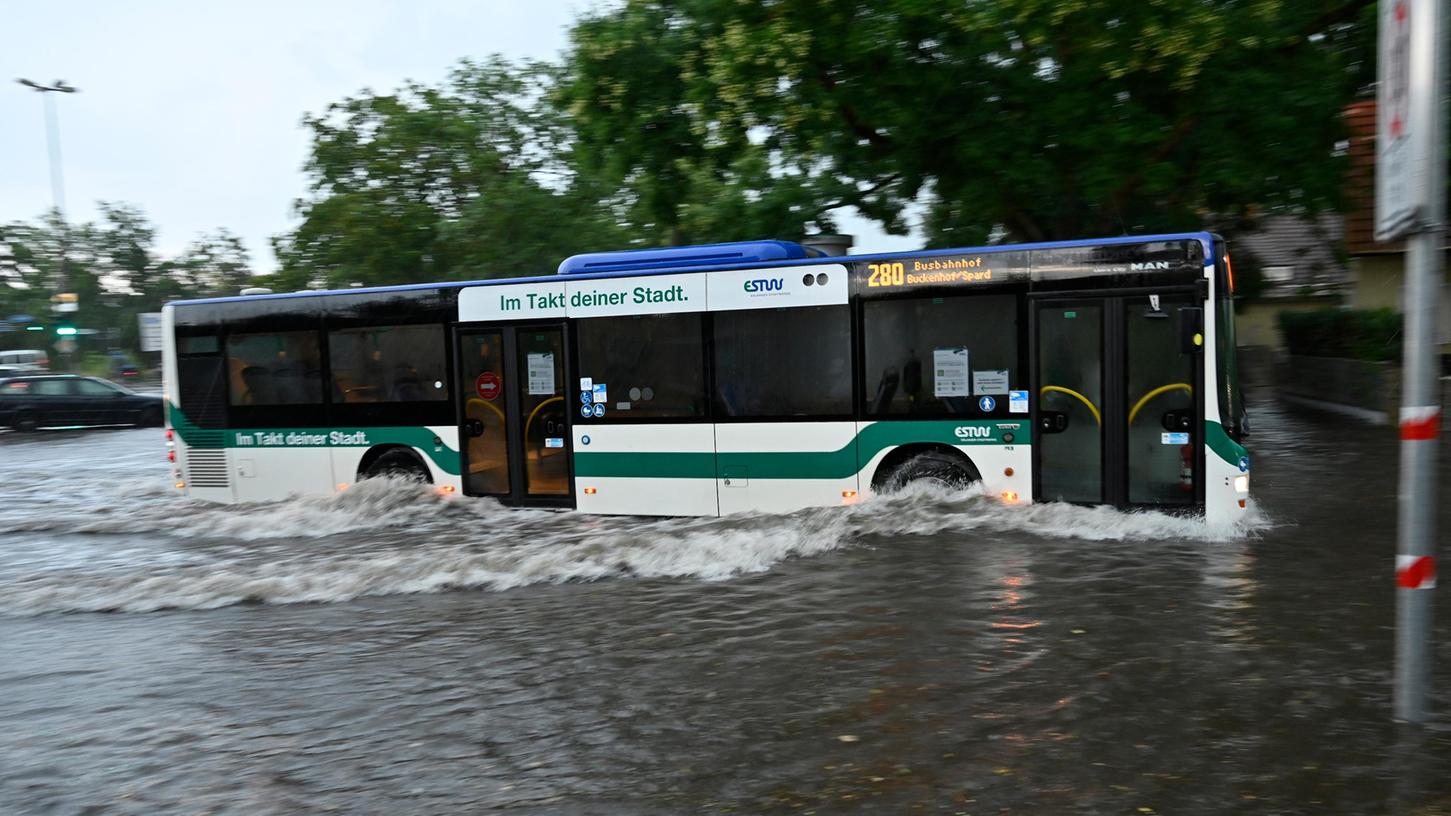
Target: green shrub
[1359, 334]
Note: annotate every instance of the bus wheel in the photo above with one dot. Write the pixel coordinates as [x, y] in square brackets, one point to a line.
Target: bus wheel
[399, 463]
[24, 422]
[932, 467]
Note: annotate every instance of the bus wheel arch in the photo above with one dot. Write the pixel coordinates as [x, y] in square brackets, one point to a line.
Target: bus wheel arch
[398, 461]
[924, 461]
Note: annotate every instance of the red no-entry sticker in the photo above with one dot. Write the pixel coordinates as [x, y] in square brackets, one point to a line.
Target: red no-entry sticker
[1415, 571]
[487, 385]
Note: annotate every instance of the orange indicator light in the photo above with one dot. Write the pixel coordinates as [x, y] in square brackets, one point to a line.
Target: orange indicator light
[1010, 496]
[848, 494]
[180, 485]
[342, 486]
[590, 491]
[446, 489]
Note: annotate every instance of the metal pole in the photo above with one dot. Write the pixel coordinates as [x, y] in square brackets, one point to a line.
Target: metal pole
[1420, 423]
[52, 132]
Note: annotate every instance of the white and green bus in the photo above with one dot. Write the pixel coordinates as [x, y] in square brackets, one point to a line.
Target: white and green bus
[717, 379]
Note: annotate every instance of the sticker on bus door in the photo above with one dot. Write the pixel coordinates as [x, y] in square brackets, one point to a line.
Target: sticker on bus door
[541, 374]
[487, 385]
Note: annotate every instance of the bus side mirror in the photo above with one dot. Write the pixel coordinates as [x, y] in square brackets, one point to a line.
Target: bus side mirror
[1191, 329]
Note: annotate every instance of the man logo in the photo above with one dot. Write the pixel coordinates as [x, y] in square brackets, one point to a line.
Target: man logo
[1149, 266]
[765, 285]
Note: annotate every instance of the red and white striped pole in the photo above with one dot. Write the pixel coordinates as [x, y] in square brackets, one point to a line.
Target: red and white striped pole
[1411, 101]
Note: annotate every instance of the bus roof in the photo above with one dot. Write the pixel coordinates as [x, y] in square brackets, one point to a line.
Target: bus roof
[648, 264]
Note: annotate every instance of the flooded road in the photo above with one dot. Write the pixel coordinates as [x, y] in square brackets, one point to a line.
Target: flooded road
[390, 651]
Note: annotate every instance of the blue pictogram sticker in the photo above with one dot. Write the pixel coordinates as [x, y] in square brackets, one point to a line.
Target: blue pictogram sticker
[987, 404]
[584, 411]
[599, 409]
[585, 398]
[1244, 464]
[584, 440]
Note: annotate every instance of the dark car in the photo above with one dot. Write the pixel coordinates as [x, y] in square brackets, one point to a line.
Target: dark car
[50, 401]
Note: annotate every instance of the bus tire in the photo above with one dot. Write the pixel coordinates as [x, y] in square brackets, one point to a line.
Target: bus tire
[398, 463]
[948, 470]
[24, 422]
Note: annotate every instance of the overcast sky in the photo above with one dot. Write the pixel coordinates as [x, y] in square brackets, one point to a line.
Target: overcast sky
[191, 110]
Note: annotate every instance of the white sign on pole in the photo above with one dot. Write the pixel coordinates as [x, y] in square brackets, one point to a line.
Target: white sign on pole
[1405, 97]
[150, 330]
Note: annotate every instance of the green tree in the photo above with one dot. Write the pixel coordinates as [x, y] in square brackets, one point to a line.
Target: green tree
[113, 268]
[1039, 119]
[214, 265]
[469, 180]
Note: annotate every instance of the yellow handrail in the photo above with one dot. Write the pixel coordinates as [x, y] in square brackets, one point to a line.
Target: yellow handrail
[1156, 392]
[491, 406]
[1097, 417]
[530, 420]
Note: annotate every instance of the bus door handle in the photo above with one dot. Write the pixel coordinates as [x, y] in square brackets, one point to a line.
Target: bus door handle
[473, 427]
[1052, 421]
[1178, 421]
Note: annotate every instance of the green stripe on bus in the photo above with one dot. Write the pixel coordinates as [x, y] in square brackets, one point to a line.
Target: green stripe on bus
[1219, 442]
[418, 438]
[838, 464]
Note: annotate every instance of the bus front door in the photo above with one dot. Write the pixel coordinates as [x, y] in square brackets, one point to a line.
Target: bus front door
[514, 417]
[1118, 396]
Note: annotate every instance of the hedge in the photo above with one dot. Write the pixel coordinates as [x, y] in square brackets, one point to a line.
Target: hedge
[1359, 334]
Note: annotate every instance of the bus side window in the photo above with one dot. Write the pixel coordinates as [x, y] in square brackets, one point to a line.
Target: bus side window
[783, 362]
[936, 356]
[651, 366]
[271, 368]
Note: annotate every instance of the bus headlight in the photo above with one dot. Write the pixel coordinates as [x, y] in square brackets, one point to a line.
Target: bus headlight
[1241, 484]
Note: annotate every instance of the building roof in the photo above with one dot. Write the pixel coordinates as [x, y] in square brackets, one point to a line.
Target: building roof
[1309, 248]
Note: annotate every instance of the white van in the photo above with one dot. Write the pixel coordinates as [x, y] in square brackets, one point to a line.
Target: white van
[25, 357]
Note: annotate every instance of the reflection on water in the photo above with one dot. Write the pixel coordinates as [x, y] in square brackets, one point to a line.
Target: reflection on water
[396, 652]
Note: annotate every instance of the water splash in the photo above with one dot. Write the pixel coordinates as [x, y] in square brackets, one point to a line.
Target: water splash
[141, 550]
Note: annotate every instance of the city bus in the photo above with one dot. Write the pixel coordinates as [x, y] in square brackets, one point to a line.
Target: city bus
[758, 376]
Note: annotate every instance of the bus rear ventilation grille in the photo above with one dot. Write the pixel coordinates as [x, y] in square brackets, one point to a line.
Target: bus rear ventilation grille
[206, 467]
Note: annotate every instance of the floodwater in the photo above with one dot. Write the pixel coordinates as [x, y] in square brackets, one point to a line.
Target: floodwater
[389, 651]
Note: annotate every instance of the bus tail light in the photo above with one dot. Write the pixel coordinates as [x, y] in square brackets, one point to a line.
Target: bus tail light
[171, 456]
[170, 435]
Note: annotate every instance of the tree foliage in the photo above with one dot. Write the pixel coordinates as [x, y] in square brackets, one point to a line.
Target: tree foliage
[113, 267]
[468, 180]
[1043, 118]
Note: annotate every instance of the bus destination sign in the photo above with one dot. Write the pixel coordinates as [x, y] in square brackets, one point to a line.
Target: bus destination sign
[1154, 258]
[941, 270]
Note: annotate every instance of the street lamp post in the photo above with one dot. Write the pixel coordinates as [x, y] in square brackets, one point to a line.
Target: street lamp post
[57, 191]
[52, 132]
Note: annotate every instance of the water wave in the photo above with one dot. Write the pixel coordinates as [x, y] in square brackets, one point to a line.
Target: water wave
[142, 550]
